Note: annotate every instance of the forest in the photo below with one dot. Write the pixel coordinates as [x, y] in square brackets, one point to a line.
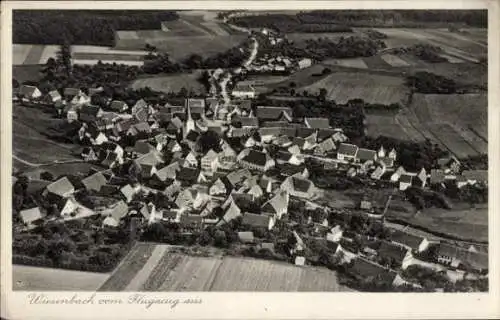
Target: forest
[82, 27]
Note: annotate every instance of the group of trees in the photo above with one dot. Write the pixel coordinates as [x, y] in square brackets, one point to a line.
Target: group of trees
[422, 199]
[82, 27]
[344, 47]
[402, 18]
[427, 82]
[423, 51]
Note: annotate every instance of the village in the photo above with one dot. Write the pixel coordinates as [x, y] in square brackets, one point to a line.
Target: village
[227, 164]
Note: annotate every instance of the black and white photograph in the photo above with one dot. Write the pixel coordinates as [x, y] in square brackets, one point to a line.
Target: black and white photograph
[249, 150]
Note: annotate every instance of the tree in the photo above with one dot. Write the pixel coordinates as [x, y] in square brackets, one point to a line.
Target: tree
[322, 94]
[46, 175]
[64, 57]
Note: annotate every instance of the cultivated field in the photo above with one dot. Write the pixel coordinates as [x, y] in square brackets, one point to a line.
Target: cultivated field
[372, 88]
[25, 54]
[463, 117]
[357, 63]
[464, 46]
[152, 267]
[27, 278]
[391, 125]
[171, 83]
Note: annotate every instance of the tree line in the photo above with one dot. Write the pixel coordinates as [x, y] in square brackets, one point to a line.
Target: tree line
[82, 27]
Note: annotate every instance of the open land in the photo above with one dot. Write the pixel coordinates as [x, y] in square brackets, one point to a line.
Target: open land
[172, 83]
[344, 86]
[154, 267]
[51, 279]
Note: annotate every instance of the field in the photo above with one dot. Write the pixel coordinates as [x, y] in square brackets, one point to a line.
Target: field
[25, 54]
[461, 222]
[180, 48]
[372, 88]
[463, 46]
[151, 267]
[459, 121]
[171, 83]
[391, 125]
[50, 279]
[357, 63]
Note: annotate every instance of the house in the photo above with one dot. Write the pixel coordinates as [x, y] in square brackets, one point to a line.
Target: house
[363, 155]
[421, 178]
[300, 261]
[191, 197]
[347, 152]
[219, 187]
[247, 122]
[298, 187]
[266, 113]
[209, 162]
[31, 216]
[227, 157]
[243, 92]
[381, 153]
[94, 182]
[235, 177]
[461, 258]
[246, 236]
[68, 207]
[397, 174]
[252, 220]
[386, 162]
[70, 93]
[409, 241]
[29, 93]
[190, 176]
[317, 123]
[80, 99]
[450, 164]
[232, 211]
[335, 234]
[128, 192]
[118, 106]
[277, 206]
[325, 147]
[393, 154]
[256, 191]
[437, 176]
[378, 173]
[61, 188]
[405, 181]
[71, 113]
[52, 97]
[256, 160]
[90, 113]
[167, 172]
[304, 63]
[115, 214]
[139, 128]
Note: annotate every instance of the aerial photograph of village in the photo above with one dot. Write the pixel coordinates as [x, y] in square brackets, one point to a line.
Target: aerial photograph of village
[286, 151]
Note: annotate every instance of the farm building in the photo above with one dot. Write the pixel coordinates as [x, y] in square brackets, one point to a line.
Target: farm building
[244, 92]
[347, 151]
[253, 220]
[317, 123]
[302, 188]
[31, 216]
[257, 160]
[29, 93]
[409, 241]
[457, 257]
[304, 63]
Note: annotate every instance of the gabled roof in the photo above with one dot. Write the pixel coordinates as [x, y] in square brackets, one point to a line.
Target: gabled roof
[317, 123]
[437, 176]
[324, 133]
[274, 124]
[95, 181]
[256, 157]
[118, 105]
[304, 132]
[90, 110]
[272, 113]
[61, 187]
[31, 215]
[301, 185]
[248, 121]
[26, 90]
[143, 147]
[366, 154]
[283, 156]
[348, 149]
[246, 236]
[238, 176]
[188, 174]
[405, 178]
[210, 154]
[327, 145]
[277, 203]
[119, 211]
[255, 220]
[477, 260]
[168, 172]
[71, 91]
[406, 239]
[152, 158]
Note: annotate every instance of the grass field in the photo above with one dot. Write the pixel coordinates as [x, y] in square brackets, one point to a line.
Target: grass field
[461, 222]
[171, 83]
[357, 63]
[372, 88]
[27, 278]
[152, 267]
[391, 125]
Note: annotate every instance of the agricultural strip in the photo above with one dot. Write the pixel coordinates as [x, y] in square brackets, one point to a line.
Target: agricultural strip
[349, 63]
[105, 56]
[452, 140]
[141, 277]
[159, 274]
[34, 55]
[19, 53]
[171, 83]
[52, 279]
[127, 269]
[394, 61]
